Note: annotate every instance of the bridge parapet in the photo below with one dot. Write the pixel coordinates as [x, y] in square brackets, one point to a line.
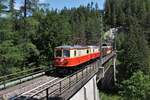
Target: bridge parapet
[104, 65]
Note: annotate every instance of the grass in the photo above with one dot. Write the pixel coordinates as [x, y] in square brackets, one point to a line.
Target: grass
[105, 96]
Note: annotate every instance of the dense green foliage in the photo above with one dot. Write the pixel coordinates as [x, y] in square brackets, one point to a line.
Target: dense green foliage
[105, 96]
[28, 36]
[137, 87]
[131, 17]
[28, 40]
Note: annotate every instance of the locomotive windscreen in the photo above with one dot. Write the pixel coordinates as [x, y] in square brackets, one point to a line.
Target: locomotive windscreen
[66, 53]
[58, 53]
[104, 44]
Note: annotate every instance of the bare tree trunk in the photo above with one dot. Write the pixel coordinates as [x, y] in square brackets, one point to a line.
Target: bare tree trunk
[25, 8]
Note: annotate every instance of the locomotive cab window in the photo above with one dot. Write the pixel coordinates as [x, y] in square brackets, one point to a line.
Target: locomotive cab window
[104, 44]
[87, 51]
[58, 53]
[66, 53]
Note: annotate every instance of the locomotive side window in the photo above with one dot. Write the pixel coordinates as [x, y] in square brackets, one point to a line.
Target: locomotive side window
[66, 53]
[87, 51]
[75, 53]
[58, 53]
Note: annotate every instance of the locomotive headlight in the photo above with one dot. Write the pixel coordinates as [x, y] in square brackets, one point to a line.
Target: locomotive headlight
[62, 60]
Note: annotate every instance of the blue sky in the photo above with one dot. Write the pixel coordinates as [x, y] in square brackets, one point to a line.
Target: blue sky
[59, 4]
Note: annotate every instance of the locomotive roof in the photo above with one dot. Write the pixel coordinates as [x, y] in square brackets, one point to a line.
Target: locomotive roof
[72, 47]
[106, 46]
[93, 46]
[65, 46]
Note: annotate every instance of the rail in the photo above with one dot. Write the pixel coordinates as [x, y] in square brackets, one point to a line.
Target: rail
[104, 60]
[61, 86]
[19, 77]
[76, 81]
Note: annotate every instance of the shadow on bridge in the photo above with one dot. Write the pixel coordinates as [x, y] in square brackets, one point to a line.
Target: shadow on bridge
[49, 98]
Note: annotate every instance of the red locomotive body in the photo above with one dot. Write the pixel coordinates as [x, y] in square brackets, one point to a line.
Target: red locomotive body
[106, 50]
[71, 56]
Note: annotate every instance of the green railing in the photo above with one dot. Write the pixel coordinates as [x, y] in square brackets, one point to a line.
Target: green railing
[18, 77]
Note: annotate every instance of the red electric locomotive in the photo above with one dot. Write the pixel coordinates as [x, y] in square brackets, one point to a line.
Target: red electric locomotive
[106, 49]
[71, 56]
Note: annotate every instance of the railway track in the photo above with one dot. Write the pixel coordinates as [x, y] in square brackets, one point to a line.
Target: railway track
[36, 89]
[33, 87]
[56, 86]
[12, 92]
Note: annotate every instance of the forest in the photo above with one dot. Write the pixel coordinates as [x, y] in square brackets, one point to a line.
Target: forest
[131, 17]
[29, 34]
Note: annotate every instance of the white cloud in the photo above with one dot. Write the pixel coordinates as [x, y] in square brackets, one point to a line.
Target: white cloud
[17, 6]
